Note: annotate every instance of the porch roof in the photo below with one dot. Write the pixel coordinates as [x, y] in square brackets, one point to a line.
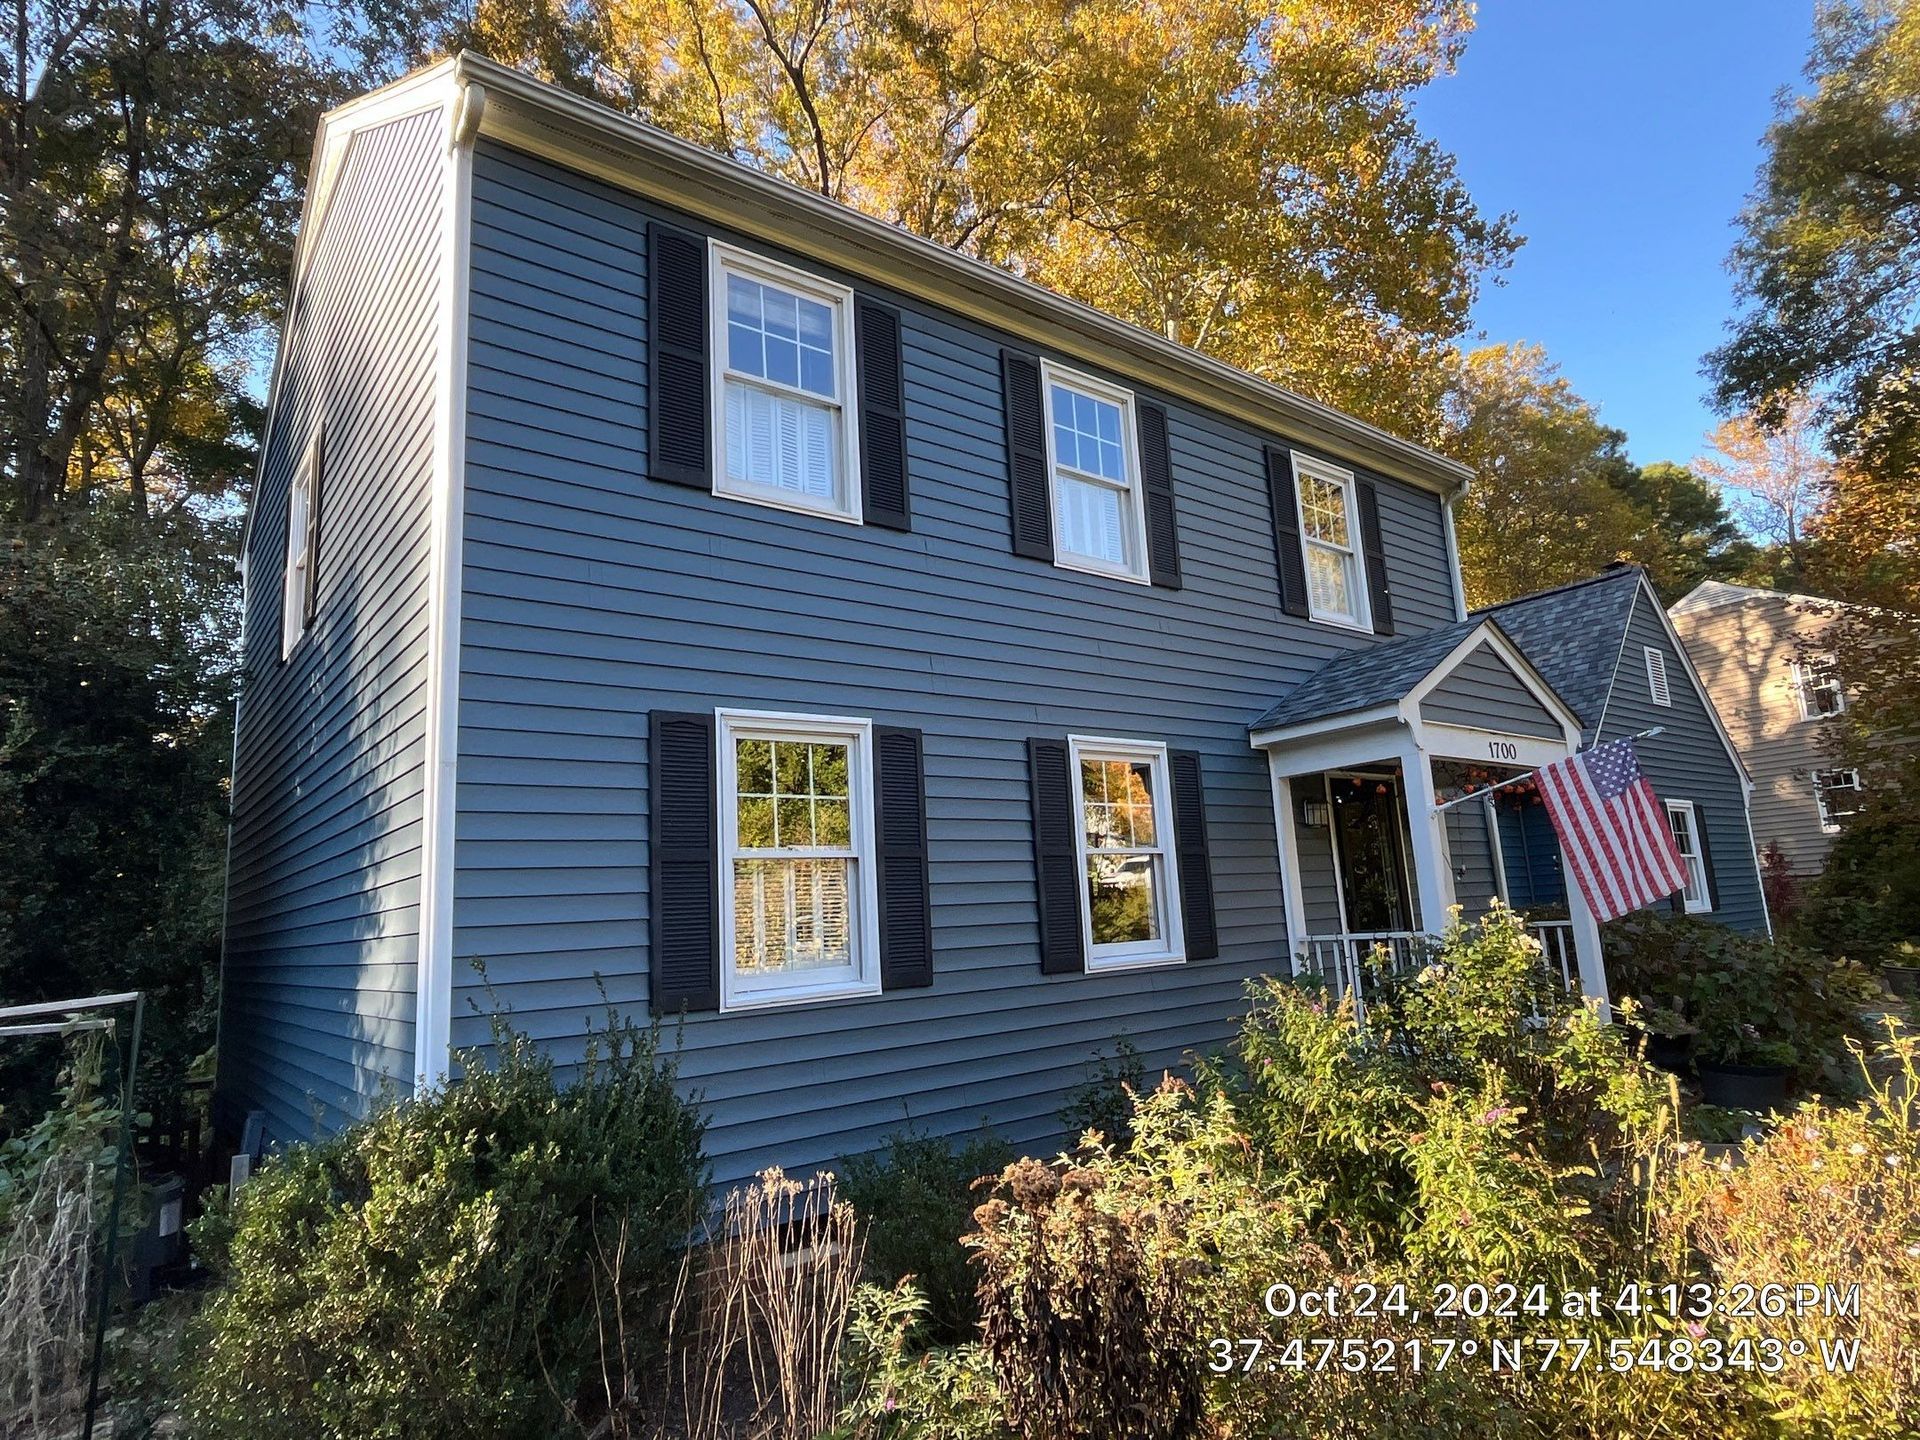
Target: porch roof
[1369, 678]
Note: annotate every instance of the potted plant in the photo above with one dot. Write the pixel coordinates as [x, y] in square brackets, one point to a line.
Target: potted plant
[1741, 1069]
[1901, 969]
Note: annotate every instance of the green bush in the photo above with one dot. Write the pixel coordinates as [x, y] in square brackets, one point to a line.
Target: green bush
[1745, 999]
[915, 1200]
[1103, 1102]
[448, 1267]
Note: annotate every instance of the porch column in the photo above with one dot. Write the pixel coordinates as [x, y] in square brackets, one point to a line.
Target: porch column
[1431, 874]
[1292, 896]
[1586, 946]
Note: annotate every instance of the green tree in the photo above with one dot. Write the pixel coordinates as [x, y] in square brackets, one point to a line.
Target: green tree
[1829, 270]
[1690, 537]
[148, 187]
[116, 690]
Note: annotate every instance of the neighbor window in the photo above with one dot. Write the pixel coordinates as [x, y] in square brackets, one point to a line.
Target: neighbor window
[1838, 792]
[1817, 685]
[1329, 531]
[1657, 675]
[1132, 904]
[303, 543]
[1098, 520]
[1686, 838]
[783, 396]
[797, 882]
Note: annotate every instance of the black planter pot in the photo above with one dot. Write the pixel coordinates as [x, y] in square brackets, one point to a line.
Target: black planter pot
[1743, 1087]
[1666, 1052]
[1903, 980]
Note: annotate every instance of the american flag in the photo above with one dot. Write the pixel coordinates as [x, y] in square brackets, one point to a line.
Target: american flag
[1613, 832]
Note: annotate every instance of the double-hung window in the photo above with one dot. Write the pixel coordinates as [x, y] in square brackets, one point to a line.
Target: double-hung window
[783, 397]
[1132, 905]
[797, 875]
[1838, 795]
[303, 541]
[1099, 522]
[1816, 684]
[1329, 533]
[1685, 821]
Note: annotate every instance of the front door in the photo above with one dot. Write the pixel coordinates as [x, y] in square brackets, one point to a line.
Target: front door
[1369, 839]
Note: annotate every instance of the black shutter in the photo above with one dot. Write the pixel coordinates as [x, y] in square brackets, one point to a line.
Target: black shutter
[906, 912]
[1156, 479]
[1706, 857]
[1056, 854]
[685, 963]
[310, 601]
[1376, 555]
[1027, 455]
[677, 323]
[883, 416]
[1286, 533]
[1190, 846]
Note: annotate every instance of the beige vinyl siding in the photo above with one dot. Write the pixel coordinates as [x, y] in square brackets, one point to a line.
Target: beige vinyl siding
[1744, 651]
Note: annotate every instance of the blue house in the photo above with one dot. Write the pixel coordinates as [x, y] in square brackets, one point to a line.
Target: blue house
[667, 588]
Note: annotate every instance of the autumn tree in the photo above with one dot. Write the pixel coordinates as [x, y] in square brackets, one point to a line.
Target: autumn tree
[1776, 473]
[1543, 508]
[1245, 176]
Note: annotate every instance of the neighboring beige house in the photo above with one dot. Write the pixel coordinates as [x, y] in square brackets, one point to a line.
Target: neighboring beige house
[1759, 654]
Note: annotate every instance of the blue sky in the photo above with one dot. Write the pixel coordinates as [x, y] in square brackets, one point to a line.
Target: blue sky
[1624, 137]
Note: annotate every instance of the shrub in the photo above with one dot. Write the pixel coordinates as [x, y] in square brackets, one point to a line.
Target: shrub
[1104, 1101]
[899, 1388]
[1480, 1114]
[437, 1269]
[1084, 1307]
[1747, 999]
[1831, 1197]
[916, 1200]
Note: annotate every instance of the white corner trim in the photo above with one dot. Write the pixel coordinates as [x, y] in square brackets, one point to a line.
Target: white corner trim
[433, 993]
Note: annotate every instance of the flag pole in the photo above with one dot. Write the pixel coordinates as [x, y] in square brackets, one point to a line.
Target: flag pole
[1646, 734]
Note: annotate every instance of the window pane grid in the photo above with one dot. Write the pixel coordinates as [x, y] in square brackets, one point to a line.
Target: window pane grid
[778, 335]
[794, 864]
[1323, 511]
[1095, 495]
[1125, 860]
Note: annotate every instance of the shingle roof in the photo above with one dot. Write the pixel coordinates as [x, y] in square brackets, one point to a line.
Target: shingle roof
[1363, 679]
[1572, 635]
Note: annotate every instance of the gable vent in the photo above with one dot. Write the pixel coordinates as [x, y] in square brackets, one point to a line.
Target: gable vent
[1657, 675]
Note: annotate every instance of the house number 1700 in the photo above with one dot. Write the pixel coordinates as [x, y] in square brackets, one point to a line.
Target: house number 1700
[1503, 750]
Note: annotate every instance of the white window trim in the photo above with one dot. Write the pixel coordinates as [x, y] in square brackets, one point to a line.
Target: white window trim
[1134, 954]
[1829, 822]
[1051, 375]
[1801, 678]
[293, 583]
[722, 258]
[1702, 902]
[762, 993]
[1362, 618]
[1659, 685]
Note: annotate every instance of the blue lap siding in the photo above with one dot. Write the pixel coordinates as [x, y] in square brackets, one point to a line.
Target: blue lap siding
[593, 596]
[323, 889]
[1687, 761]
